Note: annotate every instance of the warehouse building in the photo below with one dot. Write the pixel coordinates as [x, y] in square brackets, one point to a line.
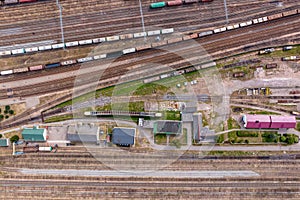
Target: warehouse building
[167, 127]
[268, 121]
[123, 136]
[35, 134]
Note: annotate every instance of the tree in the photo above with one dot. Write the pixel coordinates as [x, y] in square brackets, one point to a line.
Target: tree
[7, 108]
[11, 112]
[1, 117]
[6, 116]
[296, 139]
[5, 111]
[0, 110]
[247, 141]
[0, 135]
[14, 138]
[290, 140]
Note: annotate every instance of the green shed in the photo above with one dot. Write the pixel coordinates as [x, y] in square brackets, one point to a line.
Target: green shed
[34, 134]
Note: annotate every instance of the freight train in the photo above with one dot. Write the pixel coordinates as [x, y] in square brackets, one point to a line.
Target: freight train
[130, 50]
[175, 3]
[12, 2]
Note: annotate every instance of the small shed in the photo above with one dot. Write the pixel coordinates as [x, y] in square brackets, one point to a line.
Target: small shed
[35, 134]
[123, 136]
[4, 142]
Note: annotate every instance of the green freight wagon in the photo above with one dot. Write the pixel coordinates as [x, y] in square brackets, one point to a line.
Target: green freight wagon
[158, 5]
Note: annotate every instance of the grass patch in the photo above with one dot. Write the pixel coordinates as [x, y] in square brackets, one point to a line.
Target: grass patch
[171, 115]
[58, 118]
[232, 123]
[160, 139]
[263, 113]
[130, 106]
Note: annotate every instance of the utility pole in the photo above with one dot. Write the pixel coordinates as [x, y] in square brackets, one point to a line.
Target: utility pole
[142, 18]
[226, 12]
[61, 23]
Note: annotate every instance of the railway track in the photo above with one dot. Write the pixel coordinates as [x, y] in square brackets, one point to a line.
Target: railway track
[74, 32]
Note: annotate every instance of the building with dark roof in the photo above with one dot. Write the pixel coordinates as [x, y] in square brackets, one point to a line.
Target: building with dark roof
[197, 125]
[123, 136]
[4, 142]
[35, 134]
[167, 127]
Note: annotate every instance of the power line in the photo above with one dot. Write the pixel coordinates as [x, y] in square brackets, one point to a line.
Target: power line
[142, 18]
[61, 23]
[226, 12]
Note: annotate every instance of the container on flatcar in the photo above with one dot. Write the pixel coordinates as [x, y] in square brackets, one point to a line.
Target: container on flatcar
[271, 66]
[276, 16]
[151, 33]
[17, 51]
[30, 149]
[52, 65]
[190, 1]
[141, 34]
[84, 42]
[266, 51]
[102, 56]
[34, 68]
[87, 59]
[152, 79]
[174, 3]
[112, 38]
[20, 70]
[7, 2]
[290, 58]
[130, 50]
[26, 1]
[98, 40]
[286, 48]
[202, 34]
[6, 72]
[72, 44]
[45, 149]
[238, 74]
[158, 4]
[58, 46]
[44, 48]
[68, 62]
[31, 49]
[129, 36]
[5, 53]
[168, 30]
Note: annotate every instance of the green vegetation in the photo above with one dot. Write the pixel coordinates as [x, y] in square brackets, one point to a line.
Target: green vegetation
[160, 139]
[270, 137]
[247, 134]
[130, 106]
[257, 137]
[7, 108]
[58, 118]
[263, 113]
[0, 135]
[220, 139]
[171, 115]
[232, 123]
[14, 138]
[6, 116]
[11, 112]
[298, 126]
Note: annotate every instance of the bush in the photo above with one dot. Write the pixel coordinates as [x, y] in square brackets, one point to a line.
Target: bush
[290, 140]
[14, 138]
[5, 111]
[11, 112]
[1, 117]
[296, 139]
[282, 139]
[7, 108]
[0, 135]
[247, 141]
[246, 134]
[220, 139]
[232, 134]
[6, 116]
[270, 137]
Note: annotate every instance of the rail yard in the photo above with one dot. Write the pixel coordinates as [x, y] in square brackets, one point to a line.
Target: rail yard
[130, 99]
